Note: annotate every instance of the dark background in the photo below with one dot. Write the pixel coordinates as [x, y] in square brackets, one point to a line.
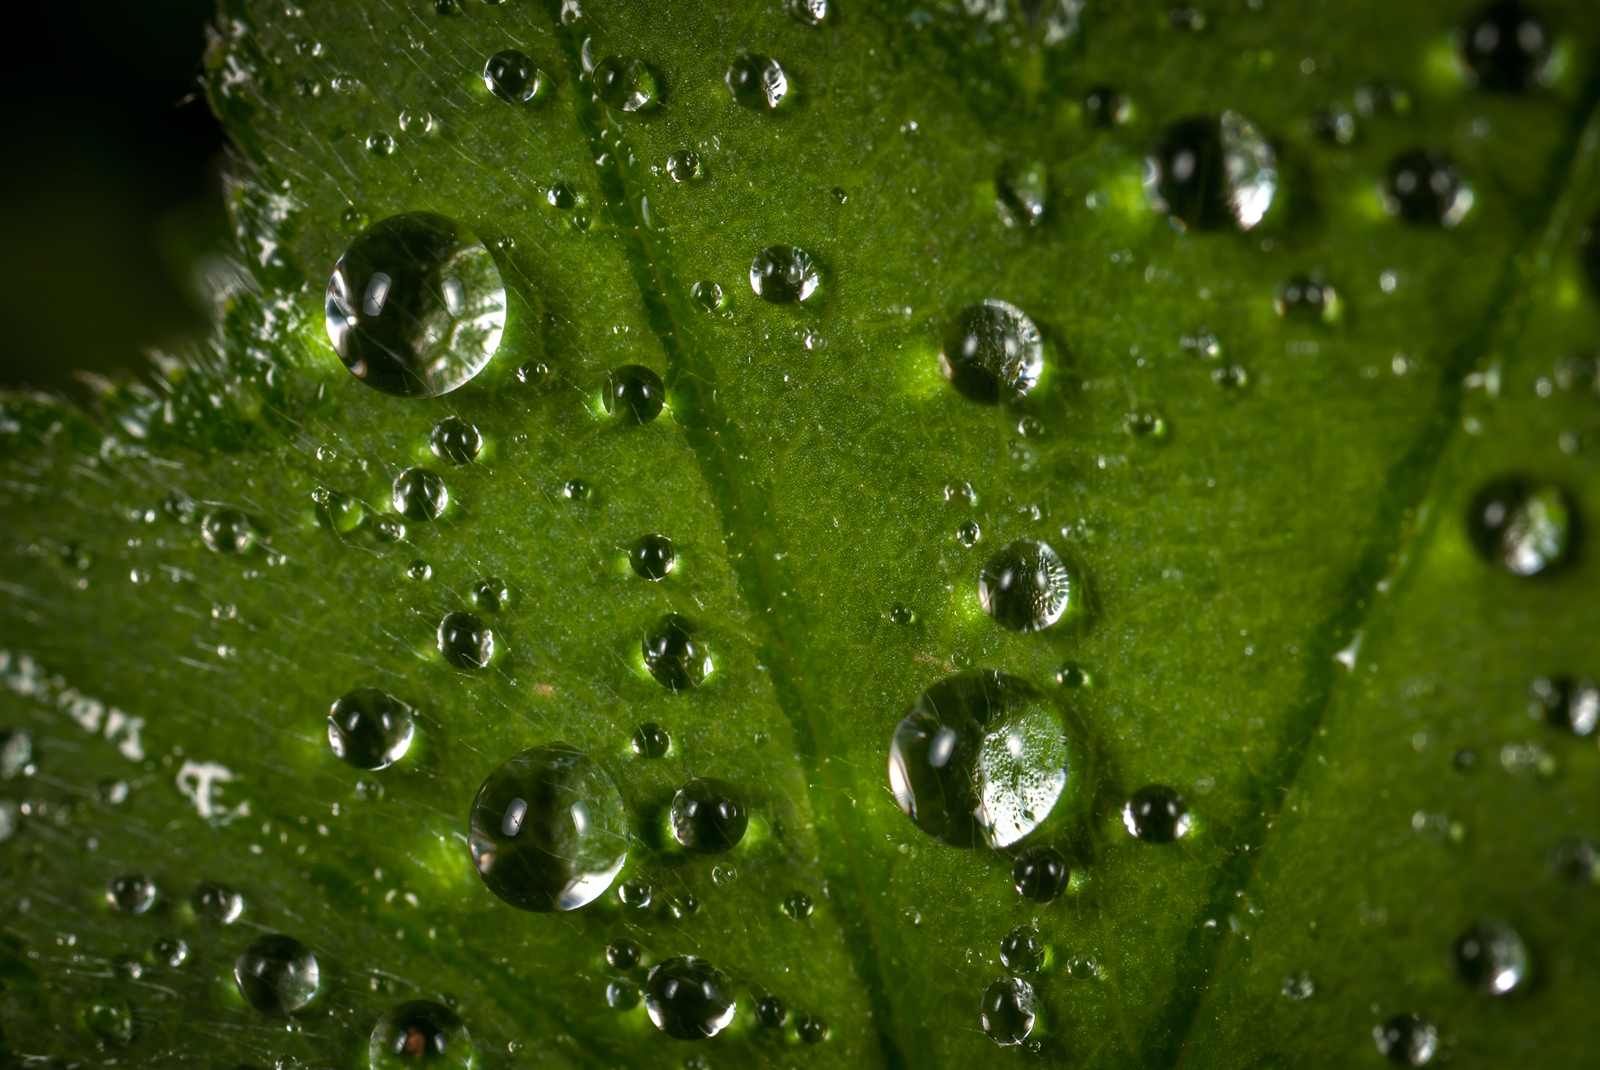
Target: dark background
[110, 189]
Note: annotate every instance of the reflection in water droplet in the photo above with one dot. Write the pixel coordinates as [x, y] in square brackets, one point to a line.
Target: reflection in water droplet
[684, 166]
[217, 903]
[512, 77]
[1021, 950]
[420, 1032]
[624, 84]
[455, 441]
[380, 144]
[1424, 186]
[109, 1018]
[771, 1013]
[575, 490]
[1025, 586]
[810, 12]
[708, 816]
[902, 614]
[562, 196]
[1523, 526]
[548, 830]
[810, 1028]
[1008, 1011]
[1106, 107]
[689, 998]
[1407, 1040]
[784, 275]
[465, 641]
[419, 494]
[797, 905]
[277, 974]
[633, 394]
[370, 728]
[1505, 45]
[131, 892]
[419, 571]
[622, 954]
[1210, 174]
[1299, 987]
[979, 757]
[622, 995]
[1021, 190]
[674, 655]
[227, 531]
[1307, 298]
[388, 529]
[337, 511]
[650, 740]
[1491, 957]
[1146, 423]
[491, 594]
[636, 893]
[1570, 705]
[757, 82]
[652, 556]
[1071, 675]
[1040, 873]
[1156, 814]
[992, 352]
[170, 951]
[969, 533]
[416, 305]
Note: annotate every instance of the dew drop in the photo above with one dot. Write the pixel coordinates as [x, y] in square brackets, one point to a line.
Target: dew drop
[757, 82]
[724, 876]
[1025, 586]
[1106, 107]
[636, 893]
[902, 614]
[810, 1029]
[1146, 423]
[622, 955]
[370, 728]
[1407, 1040]
[170, 951]
[1230, 377]
[1570, 705]
[338, 511]
[491, 594]
[109, 1018]
[809, 12]
[420, 1032]
[1574, 861]
[380, 144]
[465, 641]
[277, 974]
[797, 905]
[455, 441]
[652, 557]
[689, 998]
[217, 903]
[1211, 174]
[980, 757]
[1307, 298]
[548, 830]
[674, 655]
[1021, 190]
[969, 533]
[127, 967]
[1424, 187]
[419, 572]
[706, 294]
[512, 77]
[131, 892]
[992, 352]
[633, 394]
[419, 494]
[227, 531]
[1021, 951]
[624, 84]
[1334, 124]
[562, 196]
[783, 275]
[1523, 526]
[650, 740]
[684, 166]
[389, 529]
[1008, 1011]
[416, 305]
[771, 1013]
[1491, 957]
[1299, 987]
[1156, 814]
[575, 490]
[1505, 45]
[622, 995]
[1072, 675]
[709, 816]
[1040, 873]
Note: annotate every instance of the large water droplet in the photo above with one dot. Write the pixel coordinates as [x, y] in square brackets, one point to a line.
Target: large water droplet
[708, 816]
[1505, 45]
[633, 394]
[1491, 957]
[548, 830]
[1407, 1040]
[784, 275]
[416, 305]
[979, 757]
[674, 655]
[1212, 173]
[455, 441]
[227, 531]
[1040, 873]
[689, 998]
[419, 494]
[650, 740]
[131, 892]
[1523, 526]
[624, 84]
[992, 352]
[217, 903]
[370, 728]
[757, 82]
[1156, 814]
[420, 1032]
[1570, 705]
[277, 974]
[652, 557]
[512, 77]
[1025, 586]
[1424, 186]
[465, 641]
[1008, 1011]
[1021, 950]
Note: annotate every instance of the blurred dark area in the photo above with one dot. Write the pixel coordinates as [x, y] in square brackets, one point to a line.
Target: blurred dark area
[111, 191]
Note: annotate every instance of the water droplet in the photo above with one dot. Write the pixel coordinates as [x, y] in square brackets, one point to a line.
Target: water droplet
[810, 1028]
[419, 571]
[454, 441]
[1299, 987]
[1570, 705]
[650, 740]
[622, 995]
[1491, 957]
[338, 511]
[1021, 190]
[131, 892]
[420, 494]
[1071, 675]
[465, 641]
[636, 893]
[420, 1031]
[810, 12]
[674, 655]
[217, 903]
[622, 955]
[784, 275]
[633, 394]
[706, 294]
[684, 166]
[127, 967]
[16, 751]
[724, 875]
[1021, 951]
[416, 305]
[1212, 173]
[370, 728]
[389, 529]
[416, 122]
[1146, 423]
[684, 907]
[1424, 186]
[652, 556]
[969, 533]
[1025, 586]
[1505, 45]
[1407, 1040]
[1040, 873]
[1106, 107]
[575, 490]
[380, 144]
[277, 974]
[1522, 526]
[548, 830]
[562, 196]
[227, 531]
[757, 82]
[1334, 124]
[979, 756]
[170, 951]
[771, 1013]
[797, 905]
[491, 594]
[1156, 814]
[1008, 1011]
[992, 352]
[512, 77]
[708, 816]
[1230, 377]
[689, 998]
[1306, 298]
[902, 614]
[624, 84]
[109, 1018]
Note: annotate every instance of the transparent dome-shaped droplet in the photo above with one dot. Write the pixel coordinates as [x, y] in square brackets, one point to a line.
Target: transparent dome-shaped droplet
[1025, 586]
[1574, 861]
[548, 830]
[706, 294]
[491, 594]
[1146, 423]
[1505, 45]
[370, 728]
[622, 954]
[1306, 298]
[131, 892]
[624, 84]
[419, 494]
[380, 144]
[650, 740]
[1564, 703]
[684, 166]
[675, 655]
[636, 893]
[465, 641]
[562, 196]
[109, 1018]
[709, 816]
[1212, 173]
[1156, 814]
[969, 533]
[902, 614]
[1008, 1011]
[1334, 124]
[217, 903]
[277, 974]
[1106, 107]
[576, 490]
[784, 275]
[1424, 187]
[338, 511]
[1407, 1040]
[992, 352]
[416, 305]
[1021, 951]
[227, 531]
[170, 951]
[1491, 957]
[980, 757]
[420, 1032]
[1521, 525]
[622, 995]
[809, 12]
[1040, 873]
[419, 571]
[512, 77]
[1298, 987]
[797, 905]
[757, 82]
[810, 1028]
[1073, 675]
[389, 529]
[454, 441]
[689, 998]
[771, 1012]
[652, 557]
[633, 394]
[1021, 190]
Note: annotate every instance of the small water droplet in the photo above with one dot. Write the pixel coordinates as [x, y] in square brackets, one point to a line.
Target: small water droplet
[1025, 586]
[369, 728]
[706, 294]
[1523, 526]
[969, 533]
[1307, 298]
[797, 906]
[413, 121]
[513, 78]
[1491, 957]
[575, 490]
[1212, 174]
[1021, 950]
[992, 352]
[636, 893]
[689, 998]
[562, 196]
[809, 12]
[455, 441]
[771, 1013]
[1299, 987]
[170, 951]
[1146, 423]
[465, 641]
[1106, 107]
[380, 144]
[1156, 814]
[1040, 873]
[533, 374]
[1021, 190]
[652, 557]
[757, 82]
[1008, 1011]
[217, 903]
[419, 571]
[1407, 1040]
[633, 394]
[810, 1028]
[624, 84]
[1505, 45]
[622, 995]
[127, 967]
[684, 166]
[674, 655]
[338, 511]
[131, 892]
[1570, 705]
[1334, 124]
[651, 741]
[709, 816]
[902, 614]
[389, 529]
[419, 494]
[491, 594]
[109, 1018]
[784, 275]
[1230, 377]
[1072, 675]
[227, 531]
[622, 954]
[1424, 187]
[277, 974]
[420, 1032]
[724, 875]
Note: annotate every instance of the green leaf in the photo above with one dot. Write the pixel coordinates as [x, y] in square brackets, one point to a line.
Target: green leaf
[1278, 607]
